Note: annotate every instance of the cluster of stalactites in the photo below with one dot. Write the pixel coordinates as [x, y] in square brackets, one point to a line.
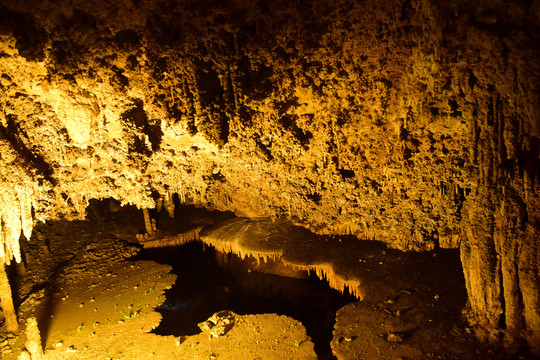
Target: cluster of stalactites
[241, 252]
[323, 271]
[166, 201]
[326, 271]
[15, 217]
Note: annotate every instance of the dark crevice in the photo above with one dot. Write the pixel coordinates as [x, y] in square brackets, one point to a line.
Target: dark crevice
[288, 122]
[502, 318]
[209, 86]
[316, 198]
[128, 39]
[14, 135]
[31, 40]
[119, 77]
[454, 112]
[263, 151]
[137, 117]
[214, 123]
[165, 34]
[346, 174]
[257, 83]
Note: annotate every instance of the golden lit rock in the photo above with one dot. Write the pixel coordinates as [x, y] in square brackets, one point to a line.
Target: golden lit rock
[414, 123]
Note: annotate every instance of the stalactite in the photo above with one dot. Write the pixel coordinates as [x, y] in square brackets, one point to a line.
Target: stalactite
[27, 222]
[323, 271]
[12, 227]
[182, 195]
[235, 238]
[16, 218]
[168, 203]
[236, 249]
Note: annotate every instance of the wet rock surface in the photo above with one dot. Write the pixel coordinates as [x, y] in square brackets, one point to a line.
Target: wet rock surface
[410, 122]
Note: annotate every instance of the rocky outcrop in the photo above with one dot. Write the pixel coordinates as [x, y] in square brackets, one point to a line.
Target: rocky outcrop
[410, 122]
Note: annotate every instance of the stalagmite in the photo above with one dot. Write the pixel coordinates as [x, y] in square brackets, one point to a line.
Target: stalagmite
[33, 339]
[45, 249]
[147, 222]
[20, 267]
[25, 355]
[6, 301]
[159, 204]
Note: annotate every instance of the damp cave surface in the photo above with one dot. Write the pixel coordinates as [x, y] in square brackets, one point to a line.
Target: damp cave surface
[418, 296]
[209, 281]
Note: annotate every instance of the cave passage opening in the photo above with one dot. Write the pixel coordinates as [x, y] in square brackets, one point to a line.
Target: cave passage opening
[210, 281]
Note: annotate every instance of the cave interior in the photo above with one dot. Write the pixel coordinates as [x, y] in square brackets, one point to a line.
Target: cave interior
[267, 179]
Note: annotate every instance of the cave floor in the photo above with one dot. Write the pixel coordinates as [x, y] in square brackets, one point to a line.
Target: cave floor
[94, 299]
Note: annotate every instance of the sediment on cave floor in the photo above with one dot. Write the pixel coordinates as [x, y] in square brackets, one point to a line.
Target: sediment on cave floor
[244, 286]
[412, 302]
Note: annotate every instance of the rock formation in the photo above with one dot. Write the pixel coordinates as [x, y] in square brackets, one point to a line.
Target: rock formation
[412, 122]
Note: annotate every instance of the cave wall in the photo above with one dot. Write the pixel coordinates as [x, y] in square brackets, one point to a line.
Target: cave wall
[410, 122]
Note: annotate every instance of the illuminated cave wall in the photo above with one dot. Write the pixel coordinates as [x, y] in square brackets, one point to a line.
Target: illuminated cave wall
[413, 122]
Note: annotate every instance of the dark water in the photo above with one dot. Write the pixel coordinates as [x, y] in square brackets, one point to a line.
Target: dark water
[204, 286]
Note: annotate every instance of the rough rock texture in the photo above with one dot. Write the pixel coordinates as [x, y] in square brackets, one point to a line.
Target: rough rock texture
[411, 122]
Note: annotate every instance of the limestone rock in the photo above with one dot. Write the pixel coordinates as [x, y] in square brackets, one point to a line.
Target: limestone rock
[415, 123]
[219, 323]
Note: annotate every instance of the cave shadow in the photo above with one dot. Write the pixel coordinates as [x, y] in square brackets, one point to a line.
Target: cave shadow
[47, 308]
[308, 300]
